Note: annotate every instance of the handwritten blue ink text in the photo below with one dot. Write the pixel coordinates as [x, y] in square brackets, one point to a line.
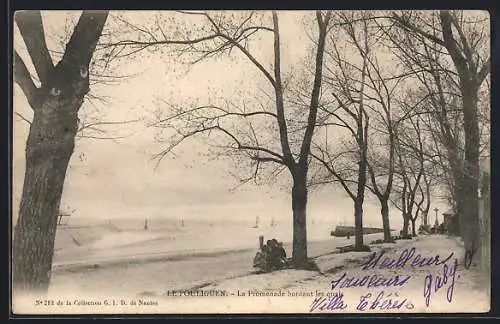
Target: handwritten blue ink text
[369, 281]
[406, 257]
[434, 284]
[328, 304]
[383, 301]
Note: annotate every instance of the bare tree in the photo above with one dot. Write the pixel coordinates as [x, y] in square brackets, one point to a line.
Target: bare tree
[103, 72]
[347, 83]
[463, 38]
[381, 160]
[411, 170]
[418, 163]
[244, 131]
[435, 101]
[50, 141]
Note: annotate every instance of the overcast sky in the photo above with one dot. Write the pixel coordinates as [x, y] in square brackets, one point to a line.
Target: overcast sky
[109, 179]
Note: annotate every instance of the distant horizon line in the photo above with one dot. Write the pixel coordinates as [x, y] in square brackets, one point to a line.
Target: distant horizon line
[266, 223]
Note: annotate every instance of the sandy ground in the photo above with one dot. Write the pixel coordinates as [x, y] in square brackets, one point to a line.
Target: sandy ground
[166, 278]
[157, 273]
[126, 239]
[429, 289]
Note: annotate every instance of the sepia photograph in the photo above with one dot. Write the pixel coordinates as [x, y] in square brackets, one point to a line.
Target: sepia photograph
[250, 162]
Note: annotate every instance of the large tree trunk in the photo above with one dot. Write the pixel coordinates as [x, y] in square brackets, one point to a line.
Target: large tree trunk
[358, 224]
[406, 224]
[299, 170]
[413, 227]
[358, 205]
[470, 81]
[468, 212]
[384, 210]
[51, 140]
[299, 204]
[48, 150]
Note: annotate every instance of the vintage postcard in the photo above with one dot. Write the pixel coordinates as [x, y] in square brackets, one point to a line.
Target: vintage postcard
[217, 162]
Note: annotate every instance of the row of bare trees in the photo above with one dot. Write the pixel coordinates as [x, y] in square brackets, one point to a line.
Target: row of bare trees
[451, 48]
[397, 91]
[387, 103]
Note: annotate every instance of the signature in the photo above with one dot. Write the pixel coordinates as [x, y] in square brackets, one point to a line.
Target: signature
[369, 281]
[406, 256]
[434, 284]
[382, 302]
[443, 278]
[328, 303]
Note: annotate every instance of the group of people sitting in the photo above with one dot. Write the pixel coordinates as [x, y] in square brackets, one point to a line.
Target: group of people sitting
[272, 256]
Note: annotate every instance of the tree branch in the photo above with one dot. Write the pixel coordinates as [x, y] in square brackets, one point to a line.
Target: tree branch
[335, 174]
[318, 74]
[483, 72]
[451, 44]
[31, 27]
[224, 112]
[239, 146]
[83, 41]
[278, 90]
[375, 190]
[23, 118]
[410, 27]
[23, 78]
